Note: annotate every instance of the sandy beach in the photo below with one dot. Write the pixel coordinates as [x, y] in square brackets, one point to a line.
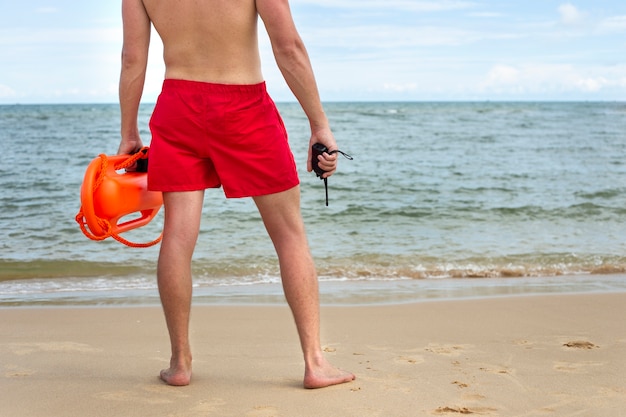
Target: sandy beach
[553, 355]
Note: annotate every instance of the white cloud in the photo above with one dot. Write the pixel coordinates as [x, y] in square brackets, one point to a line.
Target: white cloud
[570, 15]
[400, 88]
[502, 75]
[615, 24]
[376, 37]
[591, 85]
[411, 5]
[552, 78]
[6, 92]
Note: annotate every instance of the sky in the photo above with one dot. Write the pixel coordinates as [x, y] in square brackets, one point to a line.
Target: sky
[68, 51]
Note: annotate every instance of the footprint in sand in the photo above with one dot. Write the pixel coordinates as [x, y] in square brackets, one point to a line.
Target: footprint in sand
[498, 370]
[447, 350]
[464, 410]
[580, 344]
[460, 384]
[409, 360]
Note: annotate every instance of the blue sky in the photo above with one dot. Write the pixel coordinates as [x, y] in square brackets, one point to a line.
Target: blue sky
[62, 51]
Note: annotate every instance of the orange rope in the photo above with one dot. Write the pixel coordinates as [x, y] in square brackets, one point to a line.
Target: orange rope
[103, 223]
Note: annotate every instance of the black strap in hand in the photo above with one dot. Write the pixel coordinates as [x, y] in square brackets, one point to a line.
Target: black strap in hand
[319, 149]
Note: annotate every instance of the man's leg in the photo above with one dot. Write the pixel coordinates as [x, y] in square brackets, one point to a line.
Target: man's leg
[281, 215]
[180, 233]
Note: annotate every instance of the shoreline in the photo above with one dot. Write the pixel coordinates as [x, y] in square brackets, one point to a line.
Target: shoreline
[365, 292]
[555, 354]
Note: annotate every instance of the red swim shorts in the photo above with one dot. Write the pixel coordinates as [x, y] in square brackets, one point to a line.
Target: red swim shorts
[210, 135]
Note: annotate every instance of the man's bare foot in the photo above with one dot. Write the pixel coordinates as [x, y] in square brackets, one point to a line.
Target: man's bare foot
[176, 375]
[325, 375]
[175, 378]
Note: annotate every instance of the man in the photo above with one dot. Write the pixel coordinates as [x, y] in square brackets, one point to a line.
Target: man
[214, 125]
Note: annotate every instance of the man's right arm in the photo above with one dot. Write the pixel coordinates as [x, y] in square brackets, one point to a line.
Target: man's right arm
[132, 77]
[293, 61]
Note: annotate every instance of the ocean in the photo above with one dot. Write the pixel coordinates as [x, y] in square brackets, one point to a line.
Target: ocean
[442, 200]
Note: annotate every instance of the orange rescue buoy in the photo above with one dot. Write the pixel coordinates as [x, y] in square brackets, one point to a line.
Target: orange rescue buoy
[114, 201]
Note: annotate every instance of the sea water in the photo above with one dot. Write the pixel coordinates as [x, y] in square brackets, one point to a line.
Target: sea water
[441, 200]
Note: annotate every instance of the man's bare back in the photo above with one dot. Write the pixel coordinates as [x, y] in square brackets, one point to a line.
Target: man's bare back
[212, 43]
